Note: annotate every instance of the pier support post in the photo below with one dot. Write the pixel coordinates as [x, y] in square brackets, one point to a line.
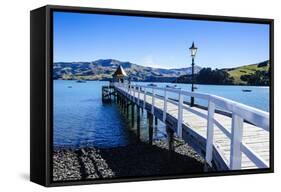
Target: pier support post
[114, 95]
[118, 99]
[155, 126]
[156, 121]
[150, 127]
[170, 137]
[102, 93]
[138, 123]
[133, 115]
[127, 108]
[122, 103]
[125, 104]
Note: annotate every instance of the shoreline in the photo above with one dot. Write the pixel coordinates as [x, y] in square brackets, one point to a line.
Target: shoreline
[242, 85]
[135, 160]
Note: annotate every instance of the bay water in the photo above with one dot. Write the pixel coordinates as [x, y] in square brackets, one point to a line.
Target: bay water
[81, 119]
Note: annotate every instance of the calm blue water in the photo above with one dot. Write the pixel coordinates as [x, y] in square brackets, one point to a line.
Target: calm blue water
[258, 97]
[81, 119]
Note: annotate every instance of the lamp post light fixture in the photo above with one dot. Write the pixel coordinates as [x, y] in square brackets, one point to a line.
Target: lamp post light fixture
[193, 51]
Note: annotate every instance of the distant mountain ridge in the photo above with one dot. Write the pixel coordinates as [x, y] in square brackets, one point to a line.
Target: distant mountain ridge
[103, 69]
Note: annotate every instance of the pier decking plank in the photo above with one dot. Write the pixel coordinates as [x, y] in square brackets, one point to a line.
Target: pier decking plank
[256, 138]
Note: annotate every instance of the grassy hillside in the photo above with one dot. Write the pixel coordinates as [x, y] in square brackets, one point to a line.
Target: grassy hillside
[254, 74]
[236, 73]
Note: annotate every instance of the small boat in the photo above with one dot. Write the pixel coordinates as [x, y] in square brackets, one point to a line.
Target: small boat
[81, 81]
[171, 86]
[152, 85]
[195, 87]
[246, 90]
[69, 87]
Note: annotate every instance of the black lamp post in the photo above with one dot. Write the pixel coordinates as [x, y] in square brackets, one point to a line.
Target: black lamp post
[193, 51]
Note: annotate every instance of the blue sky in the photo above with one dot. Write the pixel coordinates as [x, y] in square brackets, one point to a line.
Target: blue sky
[158, 42]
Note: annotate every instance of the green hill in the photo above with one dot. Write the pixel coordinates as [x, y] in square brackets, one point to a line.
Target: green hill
[236, 73]
[254, 74]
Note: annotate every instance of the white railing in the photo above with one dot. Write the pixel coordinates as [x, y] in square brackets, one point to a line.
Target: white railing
[240, 113]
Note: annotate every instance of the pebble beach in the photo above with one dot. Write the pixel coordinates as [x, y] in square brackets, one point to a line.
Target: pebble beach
[134, 160]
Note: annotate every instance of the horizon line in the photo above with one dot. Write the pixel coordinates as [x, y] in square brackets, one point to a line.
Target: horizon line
[264, 60]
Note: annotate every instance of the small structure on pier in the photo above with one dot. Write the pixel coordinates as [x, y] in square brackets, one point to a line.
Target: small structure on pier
[120, 75]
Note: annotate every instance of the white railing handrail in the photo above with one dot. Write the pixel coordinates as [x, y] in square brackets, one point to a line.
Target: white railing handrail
[240, 113]
[253, 115]
[260, 118]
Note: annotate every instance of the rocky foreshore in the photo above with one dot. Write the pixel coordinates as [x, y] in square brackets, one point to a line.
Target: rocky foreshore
[130, 161]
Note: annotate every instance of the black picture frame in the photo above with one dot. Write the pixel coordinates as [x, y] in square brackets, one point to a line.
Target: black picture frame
[41, 102]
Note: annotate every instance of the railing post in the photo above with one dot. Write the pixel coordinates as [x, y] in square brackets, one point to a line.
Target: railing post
[165, 106]
[180, 111]
[210, 132]
[236, 139]
[153, 101]
[144, 97]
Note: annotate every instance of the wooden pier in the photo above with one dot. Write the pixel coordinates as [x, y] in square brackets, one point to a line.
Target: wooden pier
[108, 93]
[227, 142]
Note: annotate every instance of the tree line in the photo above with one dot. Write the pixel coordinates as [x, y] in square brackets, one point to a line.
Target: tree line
[258, 78]
[222, 77]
